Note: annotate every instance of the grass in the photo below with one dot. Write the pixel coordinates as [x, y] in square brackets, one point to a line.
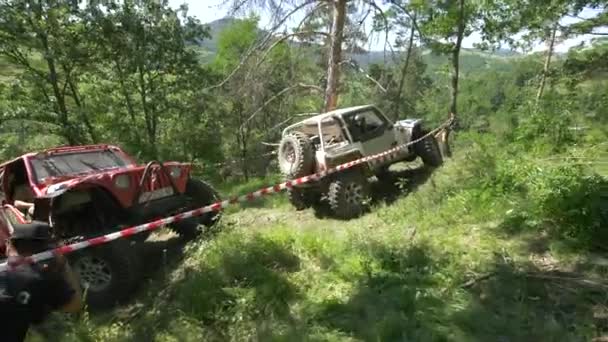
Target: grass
[439, 262]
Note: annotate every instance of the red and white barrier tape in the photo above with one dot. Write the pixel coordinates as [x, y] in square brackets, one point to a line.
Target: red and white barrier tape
[217, 206]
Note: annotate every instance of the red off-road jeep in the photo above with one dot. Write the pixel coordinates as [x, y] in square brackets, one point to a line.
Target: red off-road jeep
[87, 191]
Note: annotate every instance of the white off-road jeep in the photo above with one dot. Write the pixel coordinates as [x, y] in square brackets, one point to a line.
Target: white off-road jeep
[330, 139]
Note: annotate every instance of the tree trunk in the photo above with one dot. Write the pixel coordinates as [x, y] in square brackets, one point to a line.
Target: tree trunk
[455, 59]
[150, 129]
[406, 64]
[335, 54]
[543, 80]
[84, 116]
[62, 110]
[128, 101]
[53, 78]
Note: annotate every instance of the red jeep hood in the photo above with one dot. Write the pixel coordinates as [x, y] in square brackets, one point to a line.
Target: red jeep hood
[107, 178]
[56, 189]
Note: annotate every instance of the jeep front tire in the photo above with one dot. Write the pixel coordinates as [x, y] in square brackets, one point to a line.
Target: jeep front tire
[108, 273]
[428, 150]
[302, 198]
[200, 194]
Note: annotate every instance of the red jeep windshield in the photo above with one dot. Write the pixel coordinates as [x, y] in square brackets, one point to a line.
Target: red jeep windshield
[72, 164]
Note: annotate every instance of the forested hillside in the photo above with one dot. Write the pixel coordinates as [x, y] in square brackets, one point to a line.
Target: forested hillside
[506, 241]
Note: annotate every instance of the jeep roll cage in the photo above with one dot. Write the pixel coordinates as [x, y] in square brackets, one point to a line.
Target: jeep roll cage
[338, 115]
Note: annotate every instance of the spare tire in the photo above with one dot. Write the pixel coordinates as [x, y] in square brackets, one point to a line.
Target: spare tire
[295, 155]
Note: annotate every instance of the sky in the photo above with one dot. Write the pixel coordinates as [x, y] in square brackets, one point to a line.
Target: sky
[209, 10]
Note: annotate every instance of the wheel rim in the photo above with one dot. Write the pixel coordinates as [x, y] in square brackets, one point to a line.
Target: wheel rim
[94, 273]
[353, 195]
[289, 152]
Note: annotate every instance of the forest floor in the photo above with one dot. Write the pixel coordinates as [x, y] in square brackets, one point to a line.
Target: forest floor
[417, 267]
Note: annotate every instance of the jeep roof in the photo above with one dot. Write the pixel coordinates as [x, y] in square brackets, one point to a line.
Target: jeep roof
[65, 149]
[320, 117]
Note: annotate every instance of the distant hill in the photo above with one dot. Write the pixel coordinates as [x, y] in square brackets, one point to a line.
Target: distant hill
[215, 28]
[471, 59]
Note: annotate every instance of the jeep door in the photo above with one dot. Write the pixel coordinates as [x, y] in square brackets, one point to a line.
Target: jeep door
[376, 135]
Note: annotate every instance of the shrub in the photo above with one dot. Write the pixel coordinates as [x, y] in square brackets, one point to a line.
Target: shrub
[576, 204]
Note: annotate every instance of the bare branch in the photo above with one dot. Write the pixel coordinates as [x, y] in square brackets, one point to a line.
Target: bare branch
[287, 36]
[237, 6]
[369, 10]
[409, 14]
[379, 11]
[277, 95]
[308, 15]
[19, 58]
[254, 47]
[359, 69]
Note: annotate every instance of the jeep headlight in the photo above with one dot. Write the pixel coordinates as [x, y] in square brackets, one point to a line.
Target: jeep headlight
[175, 171]
[122, 181]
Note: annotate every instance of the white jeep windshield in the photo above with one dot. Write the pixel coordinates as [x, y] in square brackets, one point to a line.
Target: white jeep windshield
[76, 163]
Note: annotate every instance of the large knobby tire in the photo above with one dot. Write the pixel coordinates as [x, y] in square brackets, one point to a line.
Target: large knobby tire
[302, 198]
[200, 194]
[348, 195]
[108, 273]
[295, 155]
[428, 150]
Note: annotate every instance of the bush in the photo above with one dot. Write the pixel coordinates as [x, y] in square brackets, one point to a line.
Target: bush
[576, 204]
[546, 130]
[554, 194]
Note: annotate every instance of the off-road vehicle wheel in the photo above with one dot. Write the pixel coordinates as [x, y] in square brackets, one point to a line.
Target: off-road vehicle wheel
[108, 273]
[201, 194]
[348, 195]
[302, 198]
[295, 155]
[428, 150]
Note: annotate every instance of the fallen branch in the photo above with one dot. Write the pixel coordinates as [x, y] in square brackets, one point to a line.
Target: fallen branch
[476, 280]
[579, 280]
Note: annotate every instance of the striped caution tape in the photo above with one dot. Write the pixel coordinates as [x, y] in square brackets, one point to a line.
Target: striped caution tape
[217, 206]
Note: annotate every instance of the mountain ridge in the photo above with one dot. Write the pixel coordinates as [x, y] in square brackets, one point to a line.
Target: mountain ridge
[217, 26]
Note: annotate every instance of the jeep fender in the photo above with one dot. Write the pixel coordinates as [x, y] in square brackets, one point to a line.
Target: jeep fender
[407, 130]
[348, 156]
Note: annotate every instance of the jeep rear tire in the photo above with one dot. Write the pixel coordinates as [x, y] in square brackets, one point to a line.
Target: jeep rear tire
[201, 194]
[302, 198]
[108, 273]
[428, 150]
[348, 195]
[296, 156]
